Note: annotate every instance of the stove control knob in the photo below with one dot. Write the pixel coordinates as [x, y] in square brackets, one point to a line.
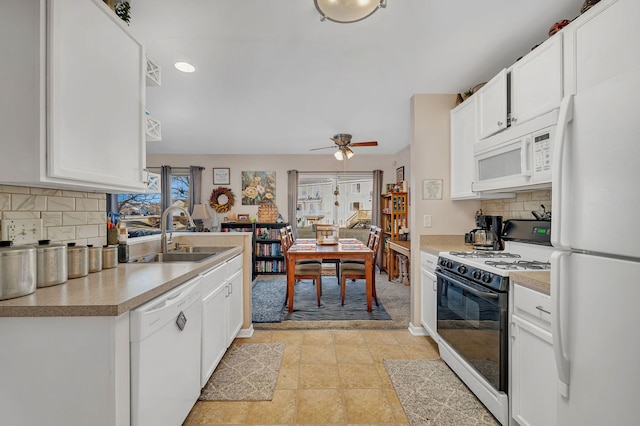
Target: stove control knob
[449, 264]
[477, 274]
[443, 262]
[486, 278]
[462, 269]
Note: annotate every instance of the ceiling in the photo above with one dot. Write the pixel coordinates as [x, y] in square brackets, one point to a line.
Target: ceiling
[271, 78]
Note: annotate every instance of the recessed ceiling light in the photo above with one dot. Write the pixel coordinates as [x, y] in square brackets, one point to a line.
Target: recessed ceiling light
[184, 67]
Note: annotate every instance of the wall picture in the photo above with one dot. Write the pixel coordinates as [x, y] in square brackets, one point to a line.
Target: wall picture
[221, 176]
[258, 187]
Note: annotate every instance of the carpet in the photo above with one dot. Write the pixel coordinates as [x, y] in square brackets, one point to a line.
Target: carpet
[393, 296]
[431, 394]
[247, 372]
[268, 295]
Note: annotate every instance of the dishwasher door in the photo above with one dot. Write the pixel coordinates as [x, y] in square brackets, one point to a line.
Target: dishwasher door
[165, 356]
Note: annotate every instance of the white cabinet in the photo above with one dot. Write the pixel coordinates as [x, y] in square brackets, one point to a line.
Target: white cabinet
[222, 313]
[429, 287]
[75, 78]
[492, 105]
[536, 81]
[463, 137]
[533, 371]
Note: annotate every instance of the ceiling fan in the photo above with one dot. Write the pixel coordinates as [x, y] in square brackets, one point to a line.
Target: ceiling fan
[344, 144]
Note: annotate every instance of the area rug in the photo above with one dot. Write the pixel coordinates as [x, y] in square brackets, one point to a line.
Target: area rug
[247, 372]
[269, 295]
[394, 297]
[432, 394]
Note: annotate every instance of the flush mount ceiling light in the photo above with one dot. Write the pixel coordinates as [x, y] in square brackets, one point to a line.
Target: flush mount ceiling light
[184, 67]
[346, 11]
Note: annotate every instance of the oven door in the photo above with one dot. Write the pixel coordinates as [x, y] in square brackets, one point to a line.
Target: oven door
[472, 319]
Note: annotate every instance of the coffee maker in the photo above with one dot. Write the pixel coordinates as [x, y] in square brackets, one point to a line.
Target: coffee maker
[486, 235]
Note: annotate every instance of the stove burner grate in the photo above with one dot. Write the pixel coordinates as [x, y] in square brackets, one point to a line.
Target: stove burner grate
[483, 254]
[519, 264]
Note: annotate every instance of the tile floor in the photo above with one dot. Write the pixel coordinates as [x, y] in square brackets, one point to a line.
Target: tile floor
[326, 377]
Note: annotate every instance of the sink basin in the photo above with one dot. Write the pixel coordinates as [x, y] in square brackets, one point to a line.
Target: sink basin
[201, 249]
[173, 257]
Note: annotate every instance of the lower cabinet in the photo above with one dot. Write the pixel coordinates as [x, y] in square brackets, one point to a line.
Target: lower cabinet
[429, 287]
[221, 313]
[533, 371]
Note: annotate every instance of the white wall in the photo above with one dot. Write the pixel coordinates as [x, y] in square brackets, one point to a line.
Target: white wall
[278, 163]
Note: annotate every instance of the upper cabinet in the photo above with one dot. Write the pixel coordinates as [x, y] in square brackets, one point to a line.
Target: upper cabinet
[536, 81]
[463, 136]
[529, 88]
[492, 105]
[74, 78]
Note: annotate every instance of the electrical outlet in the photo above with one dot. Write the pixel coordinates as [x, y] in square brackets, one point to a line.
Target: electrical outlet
[22, 231]
[427, 221]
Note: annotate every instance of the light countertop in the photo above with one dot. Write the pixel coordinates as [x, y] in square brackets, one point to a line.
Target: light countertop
[539, 280]
[110, 292]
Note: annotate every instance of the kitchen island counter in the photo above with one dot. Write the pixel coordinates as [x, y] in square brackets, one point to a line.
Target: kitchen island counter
[110, 292]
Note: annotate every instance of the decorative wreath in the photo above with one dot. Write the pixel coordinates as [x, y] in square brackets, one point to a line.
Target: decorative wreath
[222, 208]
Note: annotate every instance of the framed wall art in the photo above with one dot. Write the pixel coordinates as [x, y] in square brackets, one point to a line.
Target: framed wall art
[222, 176]
[399, 174]
[258, 187]
[432, 189]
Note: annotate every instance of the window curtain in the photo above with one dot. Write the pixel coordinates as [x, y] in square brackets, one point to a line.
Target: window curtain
[195, 186]
[376, 206]
[165, 184]
[292, 199]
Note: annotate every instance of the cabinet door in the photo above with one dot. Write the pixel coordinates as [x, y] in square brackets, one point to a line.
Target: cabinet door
[463, 136]
[234, 306]
[95, 94]
[533, 375]
[536, 81]
[214, 334]
[428, 303]
[492, 105]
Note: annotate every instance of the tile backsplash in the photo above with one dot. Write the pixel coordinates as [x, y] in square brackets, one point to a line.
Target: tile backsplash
[67, 216]
[519, 207]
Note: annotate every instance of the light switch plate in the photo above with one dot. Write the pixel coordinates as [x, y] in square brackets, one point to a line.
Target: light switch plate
[427, 221]
[22, 231]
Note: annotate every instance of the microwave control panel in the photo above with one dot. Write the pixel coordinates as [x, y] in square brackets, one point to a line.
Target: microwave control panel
[542, 152]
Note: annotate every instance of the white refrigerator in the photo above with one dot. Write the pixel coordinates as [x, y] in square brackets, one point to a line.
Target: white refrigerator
[595, 278]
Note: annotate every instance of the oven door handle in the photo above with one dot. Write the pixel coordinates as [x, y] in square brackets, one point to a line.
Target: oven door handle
[475, 292]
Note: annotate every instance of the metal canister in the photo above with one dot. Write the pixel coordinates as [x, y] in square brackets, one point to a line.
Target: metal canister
[95, 258]
[109, 257]
[77, 260]
[51, 263]
[17, 270]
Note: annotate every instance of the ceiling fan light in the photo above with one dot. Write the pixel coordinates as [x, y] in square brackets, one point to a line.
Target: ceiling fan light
[347, 11]
[349, 153]
[339, 156]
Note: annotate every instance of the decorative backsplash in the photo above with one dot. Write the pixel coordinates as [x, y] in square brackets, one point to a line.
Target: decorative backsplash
[67, 216]
[519, 207]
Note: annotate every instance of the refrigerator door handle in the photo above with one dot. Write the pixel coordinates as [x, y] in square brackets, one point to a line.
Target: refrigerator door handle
[559, 317]
[559, 229]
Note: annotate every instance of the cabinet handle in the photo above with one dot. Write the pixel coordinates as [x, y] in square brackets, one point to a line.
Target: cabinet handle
[540, 308]
[499, 123]
[514, 119]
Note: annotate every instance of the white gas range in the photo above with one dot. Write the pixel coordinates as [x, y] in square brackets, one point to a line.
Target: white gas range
[473, 307]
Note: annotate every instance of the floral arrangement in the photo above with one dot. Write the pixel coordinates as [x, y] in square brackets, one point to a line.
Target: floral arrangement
[258, 187]
[222, 207]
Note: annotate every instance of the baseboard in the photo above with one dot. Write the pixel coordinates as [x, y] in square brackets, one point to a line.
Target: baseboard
[245, 333]
[417, 331]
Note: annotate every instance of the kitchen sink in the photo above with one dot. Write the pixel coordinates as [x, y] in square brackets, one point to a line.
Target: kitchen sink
[173, 257]
[201, 249]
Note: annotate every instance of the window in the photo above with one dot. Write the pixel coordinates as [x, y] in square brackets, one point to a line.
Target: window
[142, 212]
[343, 199]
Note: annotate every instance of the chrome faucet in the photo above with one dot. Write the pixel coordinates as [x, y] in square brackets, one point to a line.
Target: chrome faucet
[163, 225]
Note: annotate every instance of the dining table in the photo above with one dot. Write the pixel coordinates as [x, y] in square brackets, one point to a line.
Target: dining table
[343, 248]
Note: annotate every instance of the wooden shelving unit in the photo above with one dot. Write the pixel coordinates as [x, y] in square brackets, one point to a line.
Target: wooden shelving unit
[395, 215]
[267, 257]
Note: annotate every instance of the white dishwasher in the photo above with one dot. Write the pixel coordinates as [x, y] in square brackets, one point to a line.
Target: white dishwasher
[165, 356]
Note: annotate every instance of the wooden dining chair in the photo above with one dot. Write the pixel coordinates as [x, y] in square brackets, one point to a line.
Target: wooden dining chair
[357, 271]
[373, 230]
[303, 271]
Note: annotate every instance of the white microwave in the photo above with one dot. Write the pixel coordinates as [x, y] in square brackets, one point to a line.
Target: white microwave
[516, 163]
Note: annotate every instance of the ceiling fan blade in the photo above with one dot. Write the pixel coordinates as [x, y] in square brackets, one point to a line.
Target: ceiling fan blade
[324, 147]
[370, 143]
